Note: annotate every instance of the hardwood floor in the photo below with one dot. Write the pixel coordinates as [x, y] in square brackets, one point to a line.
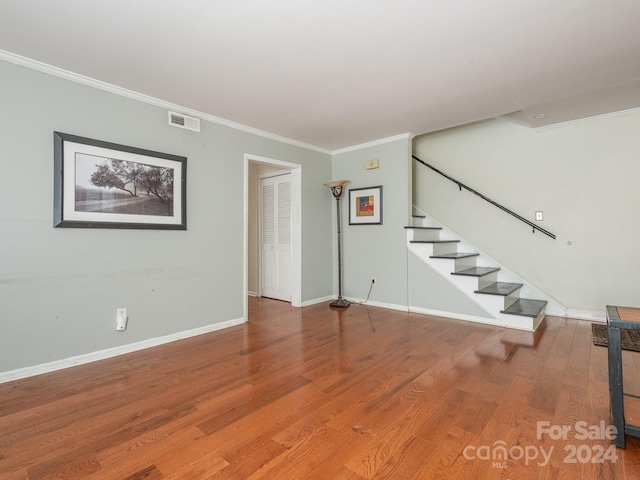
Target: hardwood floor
[317, 393]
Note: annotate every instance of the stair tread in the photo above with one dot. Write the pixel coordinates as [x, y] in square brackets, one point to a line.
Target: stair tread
[423, 228]
[434, 241]
[476, 271]
[526, 307]
[455, 255]
[500, 288]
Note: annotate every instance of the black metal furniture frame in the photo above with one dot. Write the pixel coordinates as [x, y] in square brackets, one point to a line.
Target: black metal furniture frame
[616, 389]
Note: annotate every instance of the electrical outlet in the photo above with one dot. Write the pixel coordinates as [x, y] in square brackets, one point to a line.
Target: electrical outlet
[121, 319]
[373, 280]
[539, 216]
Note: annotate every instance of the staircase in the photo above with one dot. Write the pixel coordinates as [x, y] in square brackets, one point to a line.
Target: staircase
[500, 293]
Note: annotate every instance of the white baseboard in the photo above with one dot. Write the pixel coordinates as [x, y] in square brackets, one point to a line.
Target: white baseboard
[457, 316]
[391, 306]
[435, 313]
[359, 301]
[252, 294]
[112, 352]
[590, 315]
[314, 301]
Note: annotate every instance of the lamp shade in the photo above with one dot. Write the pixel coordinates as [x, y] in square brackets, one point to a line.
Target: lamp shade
[336, 187]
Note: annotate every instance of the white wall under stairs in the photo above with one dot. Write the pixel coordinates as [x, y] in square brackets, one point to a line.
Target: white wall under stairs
[487, 308]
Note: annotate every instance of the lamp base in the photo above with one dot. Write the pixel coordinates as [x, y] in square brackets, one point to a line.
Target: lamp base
[340, 302]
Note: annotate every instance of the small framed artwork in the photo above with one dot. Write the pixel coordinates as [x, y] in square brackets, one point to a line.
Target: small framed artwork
[105, 185]
[365, 206]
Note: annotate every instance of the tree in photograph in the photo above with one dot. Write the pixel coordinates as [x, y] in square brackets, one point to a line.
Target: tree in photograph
[129, 172]
[158, 182]
[129, 176]
[105, 177]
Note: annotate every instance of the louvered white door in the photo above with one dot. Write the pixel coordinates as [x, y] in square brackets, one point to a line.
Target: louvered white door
[275, 223]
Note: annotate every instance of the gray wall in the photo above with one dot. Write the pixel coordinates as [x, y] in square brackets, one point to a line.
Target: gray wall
[584, 176]
[376, 250]
[59, 288]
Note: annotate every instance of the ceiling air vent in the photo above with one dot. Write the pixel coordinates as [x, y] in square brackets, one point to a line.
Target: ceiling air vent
[183, 121]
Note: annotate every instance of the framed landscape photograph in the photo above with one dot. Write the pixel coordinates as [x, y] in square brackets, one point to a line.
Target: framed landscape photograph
[105, 185]
[365, 206]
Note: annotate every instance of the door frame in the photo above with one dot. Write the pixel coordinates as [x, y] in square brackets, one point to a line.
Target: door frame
[296, 225]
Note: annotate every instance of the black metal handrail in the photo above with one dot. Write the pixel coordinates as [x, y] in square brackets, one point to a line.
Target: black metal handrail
[492, 202]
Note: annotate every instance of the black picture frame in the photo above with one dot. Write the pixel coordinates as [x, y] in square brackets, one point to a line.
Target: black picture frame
[100, 184]
[365, 206]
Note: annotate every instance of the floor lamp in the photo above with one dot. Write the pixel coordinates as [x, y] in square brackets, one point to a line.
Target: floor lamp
[336, 190]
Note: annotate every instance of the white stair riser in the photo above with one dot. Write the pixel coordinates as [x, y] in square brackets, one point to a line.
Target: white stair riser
[444, 248]
[464, 263]
[424, 234]
[485, 281]
[511, 299]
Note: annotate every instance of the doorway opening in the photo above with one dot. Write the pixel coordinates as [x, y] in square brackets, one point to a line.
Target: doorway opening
[256, 167]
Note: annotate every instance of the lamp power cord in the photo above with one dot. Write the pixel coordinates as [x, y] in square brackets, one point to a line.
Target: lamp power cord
[368, 294]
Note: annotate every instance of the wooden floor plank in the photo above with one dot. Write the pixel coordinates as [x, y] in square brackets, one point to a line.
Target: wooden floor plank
[321, 393]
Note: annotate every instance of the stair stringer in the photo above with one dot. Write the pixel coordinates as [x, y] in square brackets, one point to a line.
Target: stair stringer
[491, 304]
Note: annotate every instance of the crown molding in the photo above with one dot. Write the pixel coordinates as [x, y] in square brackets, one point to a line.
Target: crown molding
[140, 97]
[579, 121]
[382, 141]
[123, 92]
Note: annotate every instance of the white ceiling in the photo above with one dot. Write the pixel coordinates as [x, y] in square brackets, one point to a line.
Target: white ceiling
[337, 73]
